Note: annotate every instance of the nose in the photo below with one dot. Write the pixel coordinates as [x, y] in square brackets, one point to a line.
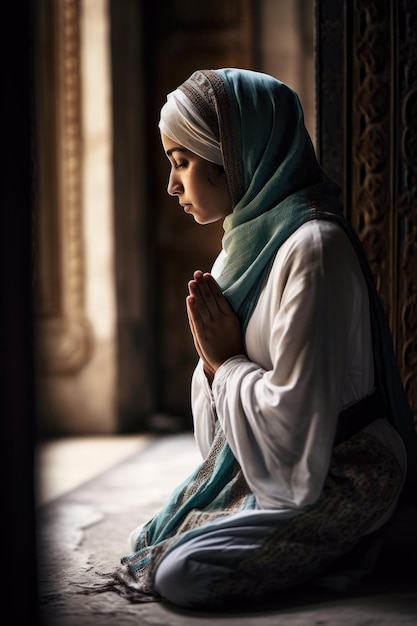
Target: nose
[175, 187]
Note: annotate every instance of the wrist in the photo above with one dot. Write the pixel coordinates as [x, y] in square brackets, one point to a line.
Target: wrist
[209, 373]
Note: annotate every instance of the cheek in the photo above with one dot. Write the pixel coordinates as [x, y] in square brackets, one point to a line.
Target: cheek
[215, 175]
[217, 180]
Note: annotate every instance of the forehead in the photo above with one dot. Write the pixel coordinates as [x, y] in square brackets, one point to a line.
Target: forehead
[170, 145]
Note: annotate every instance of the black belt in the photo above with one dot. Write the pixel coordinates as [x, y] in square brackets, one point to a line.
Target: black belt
[358, 415]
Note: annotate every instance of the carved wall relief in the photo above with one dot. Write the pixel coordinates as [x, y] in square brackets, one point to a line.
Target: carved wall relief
[405, 182]
[372, 158]
[62, 330]
[377, 156]
[384, 173]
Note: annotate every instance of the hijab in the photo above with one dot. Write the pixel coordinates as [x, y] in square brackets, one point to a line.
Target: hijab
[269, 167]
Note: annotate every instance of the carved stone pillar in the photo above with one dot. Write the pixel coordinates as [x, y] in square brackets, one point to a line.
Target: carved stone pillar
[63, 332]
[75, 361]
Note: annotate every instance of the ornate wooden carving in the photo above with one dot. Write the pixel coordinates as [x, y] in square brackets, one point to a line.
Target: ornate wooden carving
[372, 158]
[378, 154]
[405, 190]
[62, 330]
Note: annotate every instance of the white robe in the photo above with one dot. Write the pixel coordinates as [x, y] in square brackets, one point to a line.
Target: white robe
[309, 355]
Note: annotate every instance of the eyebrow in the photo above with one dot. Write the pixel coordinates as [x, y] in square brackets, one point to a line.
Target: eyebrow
[171, 150]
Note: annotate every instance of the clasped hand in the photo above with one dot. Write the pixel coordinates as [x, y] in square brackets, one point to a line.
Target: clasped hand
[216, 329]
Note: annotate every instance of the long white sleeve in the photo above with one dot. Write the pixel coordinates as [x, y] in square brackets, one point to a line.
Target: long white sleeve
[309, 354]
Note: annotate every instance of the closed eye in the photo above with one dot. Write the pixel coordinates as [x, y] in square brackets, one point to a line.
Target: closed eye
[177, 164]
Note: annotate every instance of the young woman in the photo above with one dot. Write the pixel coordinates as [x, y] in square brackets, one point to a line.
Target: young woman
[299, 411]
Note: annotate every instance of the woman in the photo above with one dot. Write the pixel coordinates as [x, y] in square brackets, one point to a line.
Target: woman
[299, 412]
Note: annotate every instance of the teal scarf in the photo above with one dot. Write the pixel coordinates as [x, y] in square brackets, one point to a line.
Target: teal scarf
[271, 169]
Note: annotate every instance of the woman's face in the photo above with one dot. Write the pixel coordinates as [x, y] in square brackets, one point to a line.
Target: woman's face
[200, 185]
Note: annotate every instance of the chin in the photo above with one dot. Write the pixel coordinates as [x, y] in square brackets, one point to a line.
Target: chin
[205, 222]
[200, 221]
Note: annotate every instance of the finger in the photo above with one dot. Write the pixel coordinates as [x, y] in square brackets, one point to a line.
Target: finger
[206, 291]
[199, 300]
[196, 319]
[189, 306]
[217, 294]
[190, 303]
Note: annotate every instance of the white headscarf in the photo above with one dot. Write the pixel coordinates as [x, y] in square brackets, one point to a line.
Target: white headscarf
[182, 123]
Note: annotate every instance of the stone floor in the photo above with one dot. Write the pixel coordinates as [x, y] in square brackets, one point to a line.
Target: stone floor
[83, 523]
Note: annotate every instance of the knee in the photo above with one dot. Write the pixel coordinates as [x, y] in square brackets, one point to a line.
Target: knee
[179, 580]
